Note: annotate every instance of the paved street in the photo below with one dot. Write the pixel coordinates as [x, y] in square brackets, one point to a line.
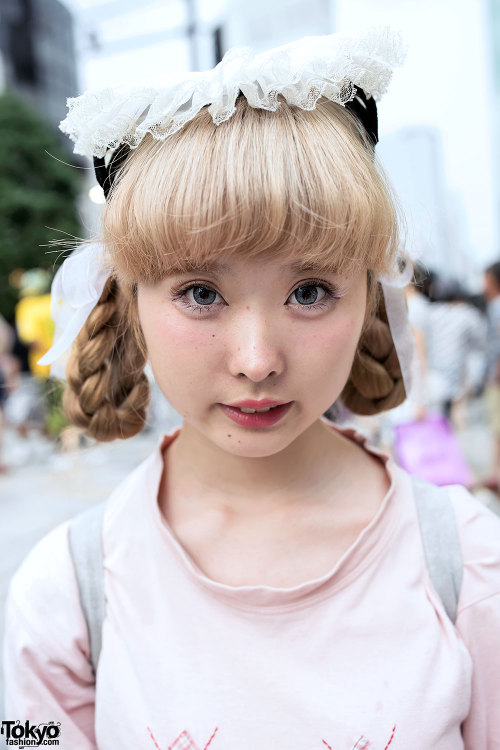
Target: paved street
[45, 487]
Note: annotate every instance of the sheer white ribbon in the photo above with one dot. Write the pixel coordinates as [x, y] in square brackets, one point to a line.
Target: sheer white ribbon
[393, 288]
[76, 289]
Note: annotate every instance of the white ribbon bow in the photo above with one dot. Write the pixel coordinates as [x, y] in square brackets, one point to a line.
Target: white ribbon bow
[401, 331]
[76, 289]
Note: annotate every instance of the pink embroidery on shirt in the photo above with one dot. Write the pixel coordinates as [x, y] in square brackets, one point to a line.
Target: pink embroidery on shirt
[153, 738]
[391, 737]
[363, 743]
[211, 738]
[183, 742]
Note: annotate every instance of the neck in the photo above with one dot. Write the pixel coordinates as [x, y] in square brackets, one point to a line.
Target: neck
[202, 469]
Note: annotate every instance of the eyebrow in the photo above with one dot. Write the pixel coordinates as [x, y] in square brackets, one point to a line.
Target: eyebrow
[299, 267]
[224, 269]
[215, 267]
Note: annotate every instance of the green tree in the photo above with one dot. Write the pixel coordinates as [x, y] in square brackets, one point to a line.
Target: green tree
[38, 195]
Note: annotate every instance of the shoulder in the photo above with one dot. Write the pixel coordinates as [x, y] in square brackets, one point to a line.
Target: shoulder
[478, 617]
[45, 577]
[43, 603]
[479, 527]
[46, 565]
[479, 533]
[46, 649]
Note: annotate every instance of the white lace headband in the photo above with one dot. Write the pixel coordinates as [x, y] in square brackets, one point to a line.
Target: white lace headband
[99, 122]
[301, 72]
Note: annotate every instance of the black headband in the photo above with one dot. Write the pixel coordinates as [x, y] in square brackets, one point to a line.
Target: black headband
[363, 107]
[105, 173]
[365, 110]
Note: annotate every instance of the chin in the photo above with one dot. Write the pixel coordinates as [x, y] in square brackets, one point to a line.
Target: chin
[255, 445]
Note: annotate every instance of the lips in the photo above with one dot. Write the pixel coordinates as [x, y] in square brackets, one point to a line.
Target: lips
[256, 419]
[262, 404]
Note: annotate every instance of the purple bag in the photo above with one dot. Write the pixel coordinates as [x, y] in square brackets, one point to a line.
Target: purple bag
[429, 449]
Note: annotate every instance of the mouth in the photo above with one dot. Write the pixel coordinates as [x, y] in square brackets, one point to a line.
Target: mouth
[252, 417]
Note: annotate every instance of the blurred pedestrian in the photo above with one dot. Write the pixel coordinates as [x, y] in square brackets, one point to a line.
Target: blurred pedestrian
[7, 367]
[451, 335]
[34, 323]
[26, 409]
[492, 296]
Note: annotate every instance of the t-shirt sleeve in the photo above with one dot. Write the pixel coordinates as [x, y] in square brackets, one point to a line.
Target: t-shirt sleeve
[478, 619]
[47, 674]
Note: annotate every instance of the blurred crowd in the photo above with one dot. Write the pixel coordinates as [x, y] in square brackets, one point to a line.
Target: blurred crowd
[25, 386]
[458, 344]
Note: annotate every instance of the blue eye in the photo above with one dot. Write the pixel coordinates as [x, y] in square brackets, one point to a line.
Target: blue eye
[307, 294]
[202, 295]
[202, 299]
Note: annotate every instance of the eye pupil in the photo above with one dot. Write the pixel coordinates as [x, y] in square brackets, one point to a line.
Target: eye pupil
[203, 296]
[309, 296]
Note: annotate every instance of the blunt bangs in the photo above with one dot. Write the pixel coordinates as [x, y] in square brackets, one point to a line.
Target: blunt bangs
[302, 185]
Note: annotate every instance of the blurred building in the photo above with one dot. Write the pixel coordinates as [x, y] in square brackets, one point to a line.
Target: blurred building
[262, 25]
[436, 226]
[37, 54]
[444, 90]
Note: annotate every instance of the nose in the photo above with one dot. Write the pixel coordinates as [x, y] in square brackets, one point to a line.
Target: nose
[255, 348]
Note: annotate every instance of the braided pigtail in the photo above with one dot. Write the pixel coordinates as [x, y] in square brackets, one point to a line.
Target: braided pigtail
[107, 391]
[375, 383]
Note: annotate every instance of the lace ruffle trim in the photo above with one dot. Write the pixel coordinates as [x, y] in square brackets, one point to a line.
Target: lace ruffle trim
[329, 66]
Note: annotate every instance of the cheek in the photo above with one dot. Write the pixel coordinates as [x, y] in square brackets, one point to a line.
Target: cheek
[178, 348]
[334, 343]
[324, 356]
[337, 334]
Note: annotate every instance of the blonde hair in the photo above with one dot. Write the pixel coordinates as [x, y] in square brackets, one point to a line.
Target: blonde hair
[295, 183]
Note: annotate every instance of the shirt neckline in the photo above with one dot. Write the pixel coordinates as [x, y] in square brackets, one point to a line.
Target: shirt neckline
[369, 544]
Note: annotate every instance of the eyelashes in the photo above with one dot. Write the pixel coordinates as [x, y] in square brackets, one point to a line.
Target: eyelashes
[330, 296]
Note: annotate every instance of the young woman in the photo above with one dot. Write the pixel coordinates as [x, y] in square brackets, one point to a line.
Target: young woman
[265, 579]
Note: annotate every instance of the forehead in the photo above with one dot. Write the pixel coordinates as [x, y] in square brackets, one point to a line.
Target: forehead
[226, 267]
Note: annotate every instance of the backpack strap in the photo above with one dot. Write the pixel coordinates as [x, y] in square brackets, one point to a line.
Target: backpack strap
[85, 543]
[441, 542]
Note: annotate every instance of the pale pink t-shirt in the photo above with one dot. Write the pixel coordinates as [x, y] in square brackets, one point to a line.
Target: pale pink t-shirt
[363, 657]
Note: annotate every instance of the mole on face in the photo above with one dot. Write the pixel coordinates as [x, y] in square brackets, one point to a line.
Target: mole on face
[229, 435]
[248, 308]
